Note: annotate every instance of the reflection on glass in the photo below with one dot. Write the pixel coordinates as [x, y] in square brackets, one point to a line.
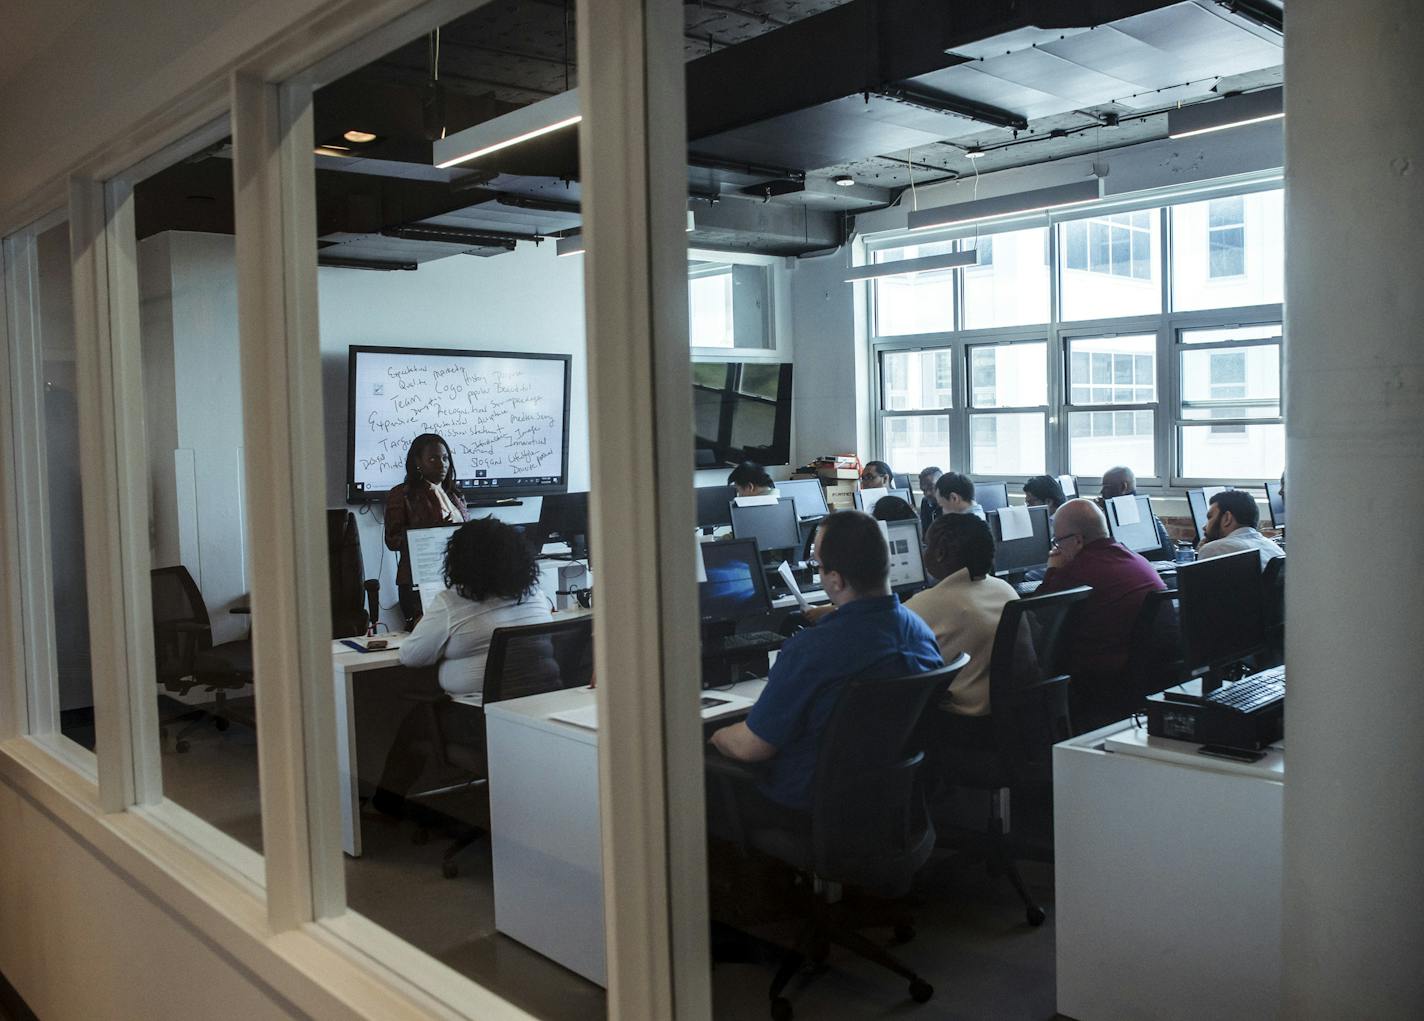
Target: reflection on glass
[1099, 440]
[1228, 252]
[1243, 382]
[1233, 452]
[917, 380]
[1008, 375]
[913, 442]
[1009, 286]
[917, 302]
[1007, 443]
[1112, 370]
[1111, 265]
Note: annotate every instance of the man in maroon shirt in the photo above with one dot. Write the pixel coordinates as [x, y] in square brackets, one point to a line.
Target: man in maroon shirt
[1101, 628]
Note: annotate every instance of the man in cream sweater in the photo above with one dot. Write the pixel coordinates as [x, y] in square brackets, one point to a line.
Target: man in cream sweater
[964, 609]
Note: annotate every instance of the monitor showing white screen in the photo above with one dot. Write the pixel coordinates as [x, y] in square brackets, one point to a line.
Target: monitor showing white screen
[427, 558]
[1140, 536]
[907, 566]
[808, 495]
[505, 417]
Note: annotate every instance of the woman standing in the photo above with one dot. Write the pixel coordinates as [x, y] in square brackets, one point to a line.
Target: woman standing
[428, 497]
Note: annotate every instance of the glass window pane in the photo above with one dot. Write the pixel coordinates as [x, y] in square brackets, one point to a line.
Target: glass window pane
[1121, 360]
[1247, 452]
[1248, 379]
[1228, 252]
[1120, 277]
[1228, 333]
[709, 308]
[40, 301]
[1007, 444]
[1009, 375]
[1013, 290]
[915, 380]
[1098, 440]
[919, 302]
[917, 441]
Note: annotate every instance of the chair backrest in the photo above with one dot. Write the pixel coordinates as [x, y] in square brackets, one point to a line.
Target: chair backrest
[347, 574]
[1273, 594]
[536, 658]
[1028, 683]
[869, 824]
[1155, 660]
[181, 628]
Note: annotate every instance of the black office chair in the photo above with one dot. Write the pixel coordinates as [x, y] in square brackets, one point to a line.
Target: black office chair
[527, 660]
[355, 600]
[185, 657]
[1155, 661]
[1028, 714]
[868, 828]
[1273, 592]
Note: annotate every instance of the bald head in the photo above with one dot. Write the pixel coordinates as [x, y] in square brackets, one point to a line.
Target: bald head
[1081, 517]
[1118, 481]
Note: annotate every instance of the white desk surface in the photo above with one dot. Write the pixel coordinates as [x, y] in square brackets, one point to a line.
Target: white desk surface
[1133, 740]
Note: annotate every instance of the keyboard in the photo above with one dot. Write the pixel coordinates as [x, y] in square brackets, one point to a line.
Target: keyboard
[1251, 694]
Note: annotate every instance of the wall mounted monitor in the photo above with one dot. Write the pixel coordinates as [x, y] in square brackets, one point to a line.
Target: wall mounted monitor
[907, 565]
[774, 526]
[741, 412]
[1030, 553]
[505, 417]
[1140, 536]
[991, 495]
[736, 584]
[714, 506]
[808, 495]
[1277, 503]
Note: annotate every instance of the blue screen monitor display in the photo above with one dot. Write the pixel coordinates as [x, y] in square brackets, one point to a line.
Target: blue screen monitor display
[736, 586]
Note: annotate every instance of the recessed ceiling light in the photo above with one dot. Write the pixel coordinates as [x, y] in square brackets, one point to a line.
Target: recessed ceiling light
[359, 137]
[844, 180]
[973, 152]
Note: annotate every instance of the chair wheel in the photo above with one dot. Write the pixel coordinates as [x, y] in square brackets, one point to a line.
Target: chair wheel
[781, 1009]
[921, 991]
[449, 869]
[222, 723]
[181, 746]
[1035, 916]
[904, 933]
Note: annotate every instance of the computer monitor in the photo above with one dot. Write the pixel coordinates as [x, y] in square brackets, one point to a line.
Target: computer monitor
[1069, 485]
[900, 480]
[426, 547]
[714, 506]
[1196, 503]
[1140, 536]
[1223, 616]
[774, 526]
[1277, 503]
[736, 584]
[991, 495]
[907, 565]
[564, 516]
[866, 499]
[1013, 556]
[809, 496]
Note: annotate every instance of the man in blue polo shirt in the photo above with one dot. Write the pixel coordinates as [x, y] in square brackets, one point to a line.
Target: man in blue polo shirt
[869, 635]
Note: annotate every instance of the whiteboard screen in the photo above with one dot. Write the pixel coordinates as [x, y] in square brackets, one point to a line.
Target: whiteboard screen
[504, 416]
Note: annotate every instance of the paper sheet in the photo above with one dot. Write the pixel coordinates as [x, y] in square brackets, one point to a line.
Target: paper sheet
[1069, 485]
[1125, 510]
[790, 579]
[585, 717]
[870, 497]
[1015, 523]
[756, 501]
[701, 565]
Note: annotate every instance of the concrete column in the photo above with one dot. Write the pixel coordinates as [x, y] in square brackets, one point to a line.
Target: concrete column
[1353, 938]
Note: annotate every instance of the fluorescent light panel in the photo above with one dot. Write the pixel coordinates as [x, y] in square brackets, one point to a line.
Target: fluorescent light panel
[1230, 112]
[1076, 194]
[513, 128]
[904, 267]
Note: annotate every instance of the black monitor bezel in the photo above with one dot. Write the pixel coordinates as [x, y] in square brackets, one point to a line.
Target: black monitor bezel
[1231, 576]
[704, 500]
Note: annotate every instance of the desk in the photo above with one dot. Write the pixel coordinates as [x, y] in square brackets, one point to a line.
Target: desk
[544, 827]
[1168, 879]
[346, 663]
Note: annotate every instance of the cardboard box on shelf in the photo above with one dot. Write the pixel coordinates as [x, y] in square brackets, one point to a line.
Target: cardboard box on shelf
[840, 495]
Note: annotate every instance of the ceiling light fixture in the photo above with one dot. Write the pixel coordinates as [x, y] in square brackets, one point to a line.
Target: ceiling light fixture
[513, 128]
[1232, 111]
[333, 150]
[843, 181]
[1076, 194]
[359, 137]
[905, 267]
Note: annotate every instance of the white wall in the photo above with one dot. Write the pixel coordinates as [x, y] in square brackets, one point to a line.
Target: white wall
[830, 381]
[526, 300]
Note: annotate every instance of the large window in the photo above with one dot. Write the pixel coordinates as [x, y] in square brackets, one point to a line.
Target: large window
[1146, 362]
[729, 305]
[915, 302]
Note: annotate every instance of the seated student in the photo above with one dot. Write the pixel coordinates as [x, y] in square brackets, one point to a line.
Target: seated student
[929, 506]
[1120, 481]
[1044, 491]
[955, 494]
[892, 508]
[876, 475]
[1101, 634]
[869, 635]
[493, 582]
[751, 479]
[964, 609]
[1231, 527]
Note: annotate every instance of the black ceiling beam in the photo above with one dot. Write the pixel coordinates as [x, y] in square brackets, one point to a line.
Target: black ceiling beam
[939, 102]
[1262, 13]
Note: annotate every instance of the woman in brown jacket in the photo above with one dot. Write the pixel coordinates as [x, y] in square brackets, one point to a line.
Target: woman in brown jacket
[428, 497]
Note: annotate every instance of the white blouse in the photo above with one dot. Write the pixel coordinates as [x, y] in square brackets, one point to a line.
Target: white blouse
[455, 632]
